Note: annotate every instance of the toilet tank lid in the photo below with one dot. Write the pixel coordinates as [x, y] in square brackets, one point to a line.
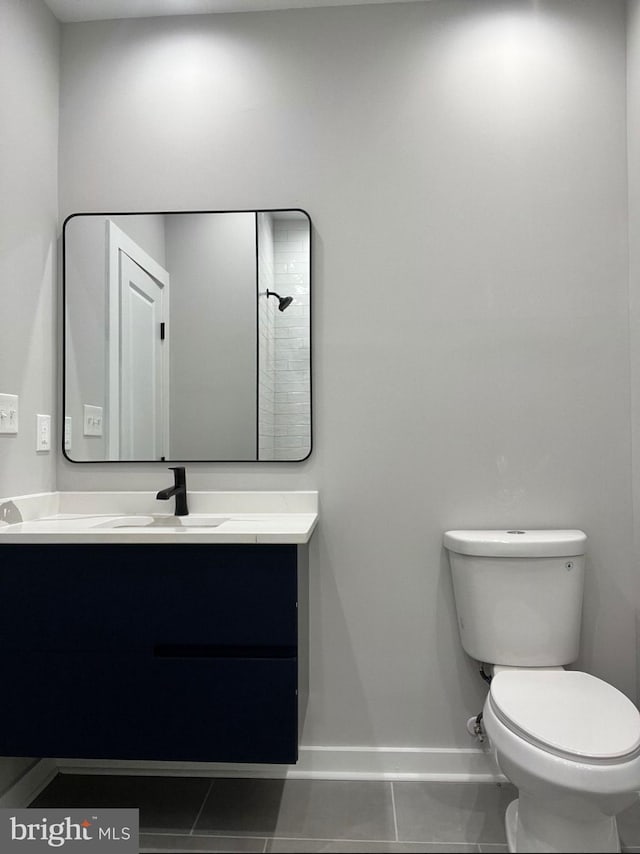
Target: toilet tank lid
[516, 543]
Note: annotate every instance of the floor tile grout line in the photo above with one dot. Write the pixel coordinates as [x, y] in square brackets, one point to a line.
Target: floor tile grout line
[451, 847]
[395, 816]
[223, 835]
[220, 836]
[204, 800]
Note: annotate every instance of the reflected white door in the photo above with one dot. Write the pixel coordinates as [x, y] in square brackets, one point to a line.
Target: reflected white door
[138, 362]
[141, 363]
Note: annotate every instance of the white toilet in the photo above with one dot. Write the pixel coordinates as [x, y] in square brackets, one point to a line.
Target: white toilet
[568, 741]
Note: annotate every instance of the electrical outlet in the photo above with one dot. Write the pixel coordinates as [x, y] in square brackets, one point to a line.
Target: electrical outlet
[43, 432]
[68, 433]
[92, 420]
[8, 413]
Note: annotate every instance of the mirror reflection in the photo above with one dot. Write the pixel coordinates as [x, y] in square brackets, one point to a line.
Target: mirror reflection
[187, 336]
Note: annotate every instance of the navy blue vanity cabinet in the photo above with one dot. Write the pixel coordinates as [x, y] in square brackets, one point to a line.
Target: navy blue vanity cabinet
[167, 652]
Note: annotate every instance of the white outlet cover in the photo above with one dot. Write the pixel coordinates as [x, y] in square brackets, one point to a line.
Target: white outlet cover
[68, 432]
[92, 416]
[43, 432]
[9, 413]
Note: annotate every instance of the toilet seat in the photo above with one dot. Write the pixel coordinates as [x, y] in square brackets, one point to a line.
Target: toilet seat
[567, 713]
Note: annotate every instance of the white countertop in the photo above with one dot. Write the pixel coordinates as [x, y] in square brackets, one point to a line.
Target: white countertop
[134, 517]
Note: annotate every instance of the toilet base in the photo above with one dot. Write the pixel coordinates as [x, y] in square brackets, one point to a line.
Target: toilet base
[511, 824]
[532, 828]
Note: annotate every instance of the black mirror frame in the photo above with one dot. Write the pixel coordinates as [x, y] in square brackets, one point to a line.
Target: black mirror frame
[163, 462]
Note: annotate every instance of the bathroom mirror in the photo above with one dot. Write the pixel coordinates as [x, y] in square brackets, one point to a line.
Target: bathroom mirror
[187, 336]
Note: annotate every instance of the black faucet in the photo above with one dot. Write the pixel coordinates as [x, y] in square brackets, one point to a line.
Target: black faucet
[179, 489]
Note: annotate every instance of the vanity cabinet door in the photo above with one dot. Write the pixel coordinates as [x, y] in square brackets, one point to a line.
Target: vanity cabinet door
[122, 597]
[120, 707]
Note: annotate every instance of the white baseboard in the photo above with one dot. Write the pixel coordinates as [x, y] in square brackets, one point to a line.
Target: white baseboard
[30, 784]
[323, 763]
[314, 763]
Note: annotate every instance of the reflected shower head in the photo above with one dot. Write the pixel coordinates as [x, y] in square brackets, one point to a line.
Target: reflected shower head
[283, 302]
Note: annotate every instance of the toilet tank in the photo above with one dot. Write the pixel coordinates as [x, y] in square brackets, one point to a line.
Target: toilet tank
[518, 594]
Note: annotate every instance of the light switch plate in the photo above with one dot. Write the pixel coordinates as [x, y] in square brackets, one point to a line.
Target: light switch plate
[92, 420]
[43, 432]
[8, 413]
[68, 432]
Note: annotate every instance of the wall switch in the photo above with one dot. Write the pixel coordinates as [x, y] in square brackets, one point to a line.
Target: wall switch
[8, 413]
[43, 432]
[92, 420]
[67, 433]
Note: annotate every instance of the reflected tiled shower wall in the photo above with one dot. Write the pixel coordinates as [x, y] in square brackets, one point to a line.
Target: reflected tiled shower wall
[266, 339]
[292, 375]
[284, 409]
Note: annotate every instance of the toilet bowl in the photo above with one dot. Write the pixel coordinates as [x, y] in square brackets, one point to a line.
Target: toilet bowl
[570, 743]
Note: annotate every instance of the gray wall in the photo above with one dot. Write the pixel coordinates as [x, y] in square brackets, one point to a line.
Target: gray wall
[464, 167]
[212, 336]
[633, 151]
[29, 86]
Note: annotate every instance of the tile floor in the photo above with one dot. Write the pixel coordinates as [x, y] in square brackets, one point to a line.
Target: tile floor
[196, 814]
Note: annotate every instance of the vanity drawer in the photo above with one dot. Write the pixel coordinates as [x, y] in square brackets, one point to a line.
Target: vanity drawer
[138, 707]
[122, 597]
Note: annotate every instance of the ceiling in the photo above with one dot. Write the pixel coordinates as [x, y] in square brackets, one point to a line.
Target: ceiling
[99, 10]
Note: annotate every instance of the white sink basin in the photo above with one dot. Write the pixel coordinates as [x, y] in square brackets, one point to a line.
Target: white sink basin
[166, 522]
